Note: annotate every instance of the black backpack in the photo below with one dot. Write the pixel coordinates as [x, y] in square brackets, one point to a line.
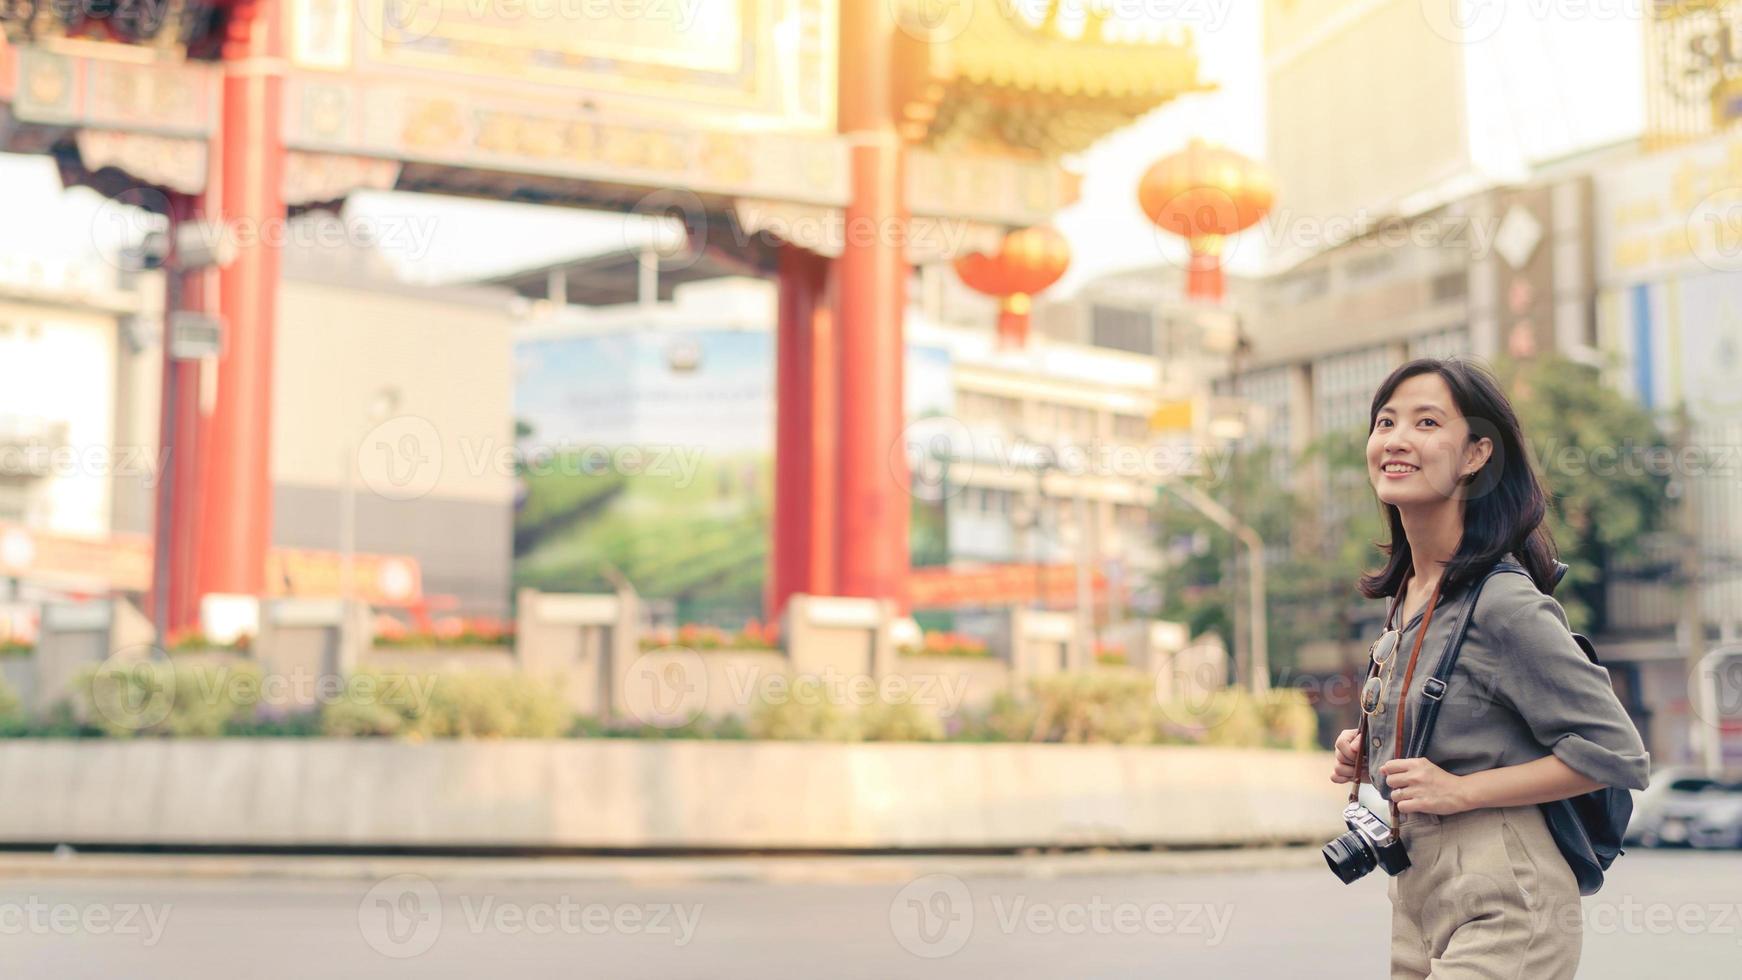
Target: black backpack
[1588, 828]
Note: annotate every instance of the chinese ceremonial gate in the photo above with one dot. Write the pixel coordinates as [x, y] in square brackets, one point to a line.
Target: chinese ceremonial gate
[831, 144]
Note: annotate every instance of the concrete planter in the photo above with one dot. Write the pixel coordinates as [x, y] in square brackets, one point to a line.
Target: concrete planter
[610, 793]
[439, 660]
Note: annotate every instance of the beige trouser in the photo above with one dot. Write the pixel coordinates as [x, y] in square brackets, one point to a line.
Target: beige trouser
[1487, 894]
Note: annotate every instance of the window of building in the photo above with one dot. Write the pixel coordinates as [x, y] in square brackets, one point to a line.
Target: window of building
[1450, 342]
[1123, 329]
[1130, 428]
[1449, 286]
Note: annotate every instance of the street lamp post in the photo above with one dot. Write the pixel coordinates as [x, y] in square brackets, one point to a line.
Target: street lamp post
[1260, 670]
[381, 407]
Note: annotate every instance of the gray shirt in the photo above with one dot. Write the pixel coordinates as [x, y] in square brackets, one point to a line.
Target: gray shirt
[1522, 689]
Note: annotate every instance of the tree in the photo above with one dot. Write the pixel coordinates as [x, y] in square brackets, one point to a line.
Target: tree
[1323, 532]
[1592, 447]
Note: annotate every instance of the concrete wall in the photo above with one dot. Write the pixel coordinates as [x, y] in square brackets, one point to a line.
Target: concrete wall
[608, 793]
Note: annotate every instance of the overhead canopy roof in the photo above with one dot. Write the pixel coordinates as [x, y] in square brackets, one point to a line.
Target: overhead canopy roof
[982, 75]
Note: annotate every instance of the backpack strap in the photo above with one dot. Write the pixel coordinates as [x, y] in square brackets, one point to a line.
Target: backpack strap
[1434, 691]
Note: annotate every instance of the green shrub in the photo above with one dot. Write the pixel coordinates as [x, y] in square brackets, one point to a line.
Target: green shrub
[1007, 718]
[163, 697]
[12, 717]
[348, 717]
[476, 705]
[1289, 720]
[807, 719]
[301, 724]
[899, 721]
[493, 706]
[1093, 708]
[1235, 721]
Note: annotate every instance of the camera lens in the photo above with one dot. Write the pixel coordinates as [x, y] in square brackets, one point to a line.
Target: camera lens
[1350, 857]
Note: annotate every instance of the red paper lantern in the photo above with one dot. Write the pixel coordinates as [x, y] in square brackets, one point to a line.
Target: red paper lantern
[1203, 194]
[1027, 262]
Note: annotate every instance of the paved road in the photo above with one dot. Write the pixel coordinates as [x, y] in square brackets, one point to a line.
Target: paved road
[1662, 915]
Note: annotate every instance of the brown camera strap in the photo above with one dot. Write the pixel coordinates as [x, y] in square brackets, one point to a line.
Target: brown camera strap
[1361, 774]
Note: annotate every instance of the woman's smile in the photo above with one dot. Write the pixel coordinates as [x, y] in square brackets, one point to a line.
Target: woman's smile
[1398, 470]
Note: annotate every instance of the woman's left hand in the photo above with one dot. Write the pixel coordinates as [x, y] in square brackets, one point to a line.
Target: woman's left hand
[1419, 786]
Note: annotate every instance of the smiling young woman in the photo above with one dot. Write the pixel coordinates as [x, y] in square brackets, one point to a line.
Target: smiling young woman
[1526, 717]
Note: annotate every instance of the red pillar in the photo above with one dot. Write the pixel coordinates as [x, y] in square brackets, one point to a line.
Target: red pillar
[181, 430]
[805, 425]
[237, 516]
[874, 493]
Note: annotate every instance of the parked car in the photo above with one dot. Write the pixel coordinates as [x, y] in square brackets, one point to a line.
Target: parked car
[1683, 807]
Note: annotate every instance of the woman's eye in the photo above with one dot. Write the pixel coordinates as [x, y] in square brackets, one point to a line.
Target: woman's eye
[1429, 422]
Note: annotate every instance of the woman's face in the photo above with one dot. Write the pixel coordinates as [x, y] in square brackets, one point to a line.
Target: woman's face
[1420, 444]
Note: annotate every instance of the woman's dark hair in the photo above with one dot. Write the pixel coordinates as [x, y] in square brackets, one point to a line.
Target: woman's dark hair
[1504, 501]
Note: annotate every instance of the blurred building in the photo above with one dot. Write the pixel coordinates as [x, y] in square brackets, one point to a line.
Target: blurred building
[1693, 70]
[366, 362]
[993, 524]
[1383, 108]
[1669, 270]
[77, 457]
[397, 397]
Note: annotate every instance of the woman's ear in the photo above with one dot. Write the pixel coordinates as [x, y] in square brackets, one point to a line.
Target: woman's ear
[1476, 457]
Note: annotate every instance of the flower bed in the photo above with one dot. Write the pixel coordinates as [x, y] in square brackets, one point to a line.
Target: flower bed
[752, 636]
[943, 644]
